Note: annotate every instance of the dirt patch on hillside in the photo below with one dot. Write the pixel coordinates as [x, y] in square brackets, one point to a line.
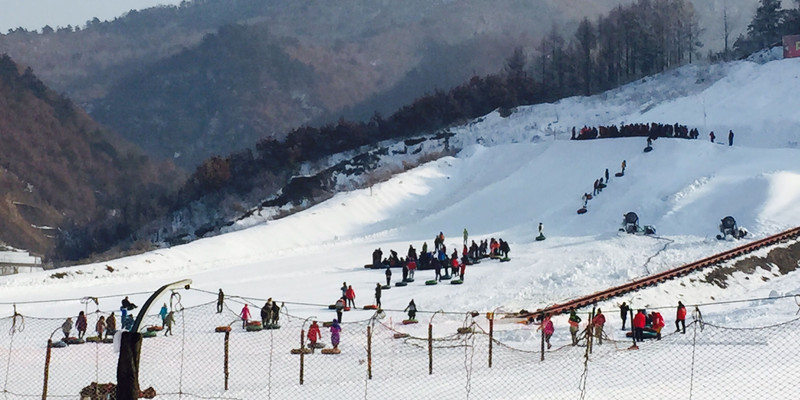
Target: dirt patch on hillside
[780, 261]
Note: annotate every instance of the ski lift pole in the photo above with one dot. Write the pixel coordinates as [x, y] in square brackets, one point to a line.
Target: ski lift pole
[131, 346]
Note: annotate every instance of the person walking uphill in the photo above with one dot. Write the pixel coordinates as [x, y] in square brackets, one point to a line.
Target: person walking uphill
[388, 274]
[574, 321]
[163, 314]
[168, 321]
[466, 235]
[680, 318]
[730, 138]
[351, 296]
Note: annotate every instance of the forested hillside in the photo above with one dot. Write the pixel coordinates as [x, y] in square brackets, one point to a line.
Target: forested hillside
[59, 169]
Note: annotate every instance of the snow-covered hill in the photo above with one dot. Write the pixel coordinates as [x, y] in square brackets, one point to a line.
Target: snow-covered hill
[524, 171]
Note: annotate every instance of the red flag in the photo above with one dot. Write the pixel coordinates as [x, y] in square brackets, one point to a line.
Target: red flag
[791, 46]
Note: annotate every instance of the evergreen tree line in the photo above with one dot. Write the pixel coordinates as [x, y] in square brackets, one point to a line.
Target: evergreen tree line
[769, 25]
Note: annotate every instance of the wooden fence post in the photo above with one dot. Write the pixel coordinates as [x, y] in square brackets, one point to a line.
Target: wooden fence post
[491, 337]
[47, 368]
[369, 352]
[227, 346]
[430, 349]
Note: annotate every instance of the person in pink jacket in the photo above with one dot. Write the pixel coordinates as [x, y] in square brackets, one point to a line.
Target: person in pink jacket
[547, 328]
[245, 314]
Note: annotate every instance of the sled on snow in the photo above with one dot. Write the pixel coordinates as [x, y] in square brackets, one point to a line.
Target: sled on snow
[409, 321]
[73, 340]
[401, 335]
[331, 351]
[648, 333]
[253, 326]
[431, 282]
[155, 328]
[505, 259]
[540, 237]
[94, 339]
[371, 307]
[618, 174]
[318, 345]
[400, 284]
[222, 329]
[582, 210]
[648, 149]
[385, 287]
[149, 334]
[304, 350]
[456, 282]
[58, 344]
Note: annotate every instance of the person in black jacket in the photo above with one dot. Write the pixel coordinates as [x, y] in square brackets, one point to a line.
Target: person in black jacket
[623, 313]
[127, 304]
[388, 276]
[378, 295]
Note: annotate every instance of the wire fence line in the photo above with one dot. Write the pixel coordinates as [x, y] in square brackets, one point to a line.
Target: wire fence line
[444, 357]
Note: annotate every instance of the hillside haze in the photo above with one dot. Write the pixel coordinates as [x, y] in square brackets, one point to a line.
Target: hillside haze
[170, 80]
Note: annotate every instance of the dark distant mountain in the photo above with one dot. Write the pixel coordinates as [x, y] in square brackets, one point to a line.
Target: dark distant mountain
[67, 185]
[186, 69]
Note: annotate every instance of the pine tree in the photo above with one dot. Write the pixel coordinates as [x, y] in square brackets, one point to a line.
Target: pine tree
[764, 28]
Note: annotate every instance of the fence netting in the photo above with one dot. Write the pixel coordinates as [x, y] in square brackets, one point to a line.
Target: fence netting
[442, 356]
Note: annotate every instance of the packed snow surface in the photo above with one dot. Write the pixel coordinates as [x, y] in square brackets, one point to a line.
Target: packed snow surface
[511, 174]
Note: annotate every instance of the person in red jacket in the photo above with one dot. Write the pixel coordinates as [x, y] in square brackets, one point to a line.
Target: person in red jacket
[639, 321]
[658, 323]
[245, 314]
[314, 335]
[597, 322]
[680, 318]
[350, 294]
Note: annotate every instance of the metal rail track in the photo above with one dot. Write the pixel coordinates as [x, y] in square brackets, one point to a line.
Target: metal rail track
[666, 275]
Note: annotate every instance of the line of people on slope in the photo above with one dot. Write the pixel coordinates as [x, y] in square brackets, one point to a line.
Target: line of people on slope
[652, 130]
[600, 184]
[107, 326]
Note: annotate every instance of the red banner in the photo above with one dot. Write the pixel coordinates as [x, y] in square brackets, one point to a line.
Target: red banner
[791, 46]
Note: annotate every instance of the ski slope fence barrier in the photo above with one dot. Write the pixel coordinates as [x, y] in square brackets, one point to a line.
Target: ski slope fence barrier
[442, 356]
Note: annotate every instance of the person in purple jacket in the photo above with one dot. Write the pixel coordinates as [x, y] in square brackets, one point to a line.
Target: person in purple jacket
[335, 329]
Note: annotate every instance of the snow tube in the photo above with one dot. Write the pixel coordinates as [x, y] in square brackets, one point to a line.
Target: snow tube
[582, 210]
[446, 277]
[304, 350]
[401, 284]
[540, 237]
[94, 339]
[318, 345]
[149, 334]
[431, 282]
[618, 174]
[253, 326]
[58, 344]
[409, 321]
[589, 197]
[506, 259]
[386, 287]
[371, 306]
[154, 328]
[272, 326]
[397, 335]
[456, 282]
[222, 329]
[108, 340]
[74, 340]
[647, 334]
[331, 351]
[648, 149]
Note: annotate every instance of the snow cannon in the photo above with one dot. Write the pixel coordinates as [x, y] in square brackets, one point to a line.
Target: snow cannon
[729, 230]
[630, 223]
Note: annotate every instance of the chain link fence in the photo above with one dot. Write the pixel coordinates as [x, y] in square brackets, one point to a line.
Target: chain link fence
[442, 356]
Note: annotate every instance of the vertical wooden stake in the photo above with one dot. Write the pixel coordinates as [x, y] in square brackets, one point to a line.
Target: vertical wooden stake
[542, 357]
[430, 349]
[369, 352]
[491, 339]
[47, 368]
[227, 359]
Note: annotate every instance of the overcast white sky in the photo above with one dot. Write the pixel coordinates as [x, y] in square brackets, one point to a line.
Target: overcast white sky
[34, 14]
